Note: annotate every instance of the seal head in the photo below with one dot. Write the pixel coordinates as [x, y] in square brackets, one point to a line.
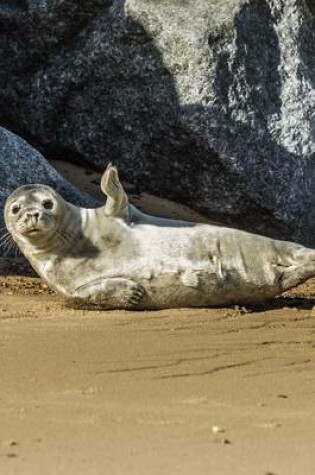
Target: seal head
[32, 215]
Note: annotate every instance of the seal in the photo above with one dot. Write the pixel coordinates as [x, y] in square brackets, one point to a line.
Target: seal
[117, 257]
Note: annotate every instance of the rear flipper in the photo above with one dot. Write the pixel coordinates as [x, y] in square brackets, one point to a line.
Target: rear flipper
[117, 204]
[301, 269]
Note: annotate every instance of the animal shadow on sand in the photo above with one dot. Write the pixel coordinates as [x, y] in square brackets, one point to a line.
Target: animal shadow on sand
[294, 302]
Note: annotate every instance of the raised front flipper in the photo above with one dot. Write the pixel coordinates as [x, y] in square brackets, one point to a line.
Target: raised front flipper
[117, 200]
[114, 293]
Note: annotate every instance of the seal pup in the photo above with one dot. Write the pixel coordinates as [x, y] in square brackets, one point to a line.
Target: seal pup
[91, 256]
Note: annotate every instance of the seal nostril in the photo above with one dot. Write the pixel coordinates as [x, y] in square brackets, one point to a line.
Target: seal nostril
[33, 214]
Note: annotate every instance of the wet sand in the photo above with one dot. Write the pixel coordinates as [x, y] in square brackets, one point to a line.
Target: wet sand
[209, 391]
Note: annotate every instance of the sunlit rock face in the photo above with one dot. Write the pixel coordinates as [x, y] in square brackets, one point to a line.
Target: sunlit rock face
[210, 103]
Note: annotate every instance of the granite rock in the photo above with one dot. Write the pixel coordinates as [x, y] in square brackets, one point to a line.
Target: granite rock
[207, 102]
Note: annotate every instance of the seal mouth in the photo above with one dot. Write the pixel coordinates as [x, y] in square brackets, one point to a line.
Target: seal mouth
[33, 231]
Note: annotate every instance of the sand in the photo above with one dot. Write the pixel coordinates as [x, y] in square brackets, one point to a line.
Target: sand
[175, 392]
[209, 391]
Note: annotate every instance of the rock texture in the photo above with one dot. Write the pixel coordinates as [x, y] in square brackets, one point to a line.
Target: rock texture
[207, 102]
[21, 164]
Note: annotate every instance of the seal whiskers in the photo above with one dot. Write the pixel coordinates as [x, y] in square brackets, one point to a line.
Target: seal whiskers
[8, 244]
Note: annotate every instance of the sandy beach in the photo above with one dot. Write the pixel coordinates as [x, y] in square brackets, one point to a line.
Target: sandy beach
[222, 391]
[175, 392]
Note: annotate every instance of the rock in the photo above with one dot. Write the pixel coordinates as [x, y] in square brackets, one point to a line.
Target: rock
[21, 164]
[209, 103]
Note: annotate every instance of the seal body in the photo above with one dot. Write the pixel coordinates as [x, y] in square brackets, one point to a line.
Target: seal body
[148, 262]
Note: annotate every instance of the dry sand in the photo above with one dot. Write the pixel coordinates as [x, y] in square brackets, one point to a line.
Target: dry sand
[177, 392]
[87, 392]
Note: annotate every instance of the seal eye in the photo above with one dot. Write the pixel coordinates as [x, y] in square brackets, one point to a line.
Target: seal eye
[48, 204]
[15, 209]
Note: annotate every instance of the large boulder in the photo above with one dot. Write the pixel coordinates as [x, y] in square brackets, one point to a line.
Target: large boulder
[207, 102]
[21, 164]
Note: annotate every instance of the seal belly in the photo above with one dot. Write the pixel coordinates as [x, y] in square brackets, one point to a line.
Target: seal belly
[232, 287]
[220, 268]
[248, 268]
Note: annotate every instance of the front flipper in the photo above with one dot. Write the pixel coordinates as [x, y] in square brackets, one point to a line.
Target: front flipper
[117, 200]
[110, 293]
